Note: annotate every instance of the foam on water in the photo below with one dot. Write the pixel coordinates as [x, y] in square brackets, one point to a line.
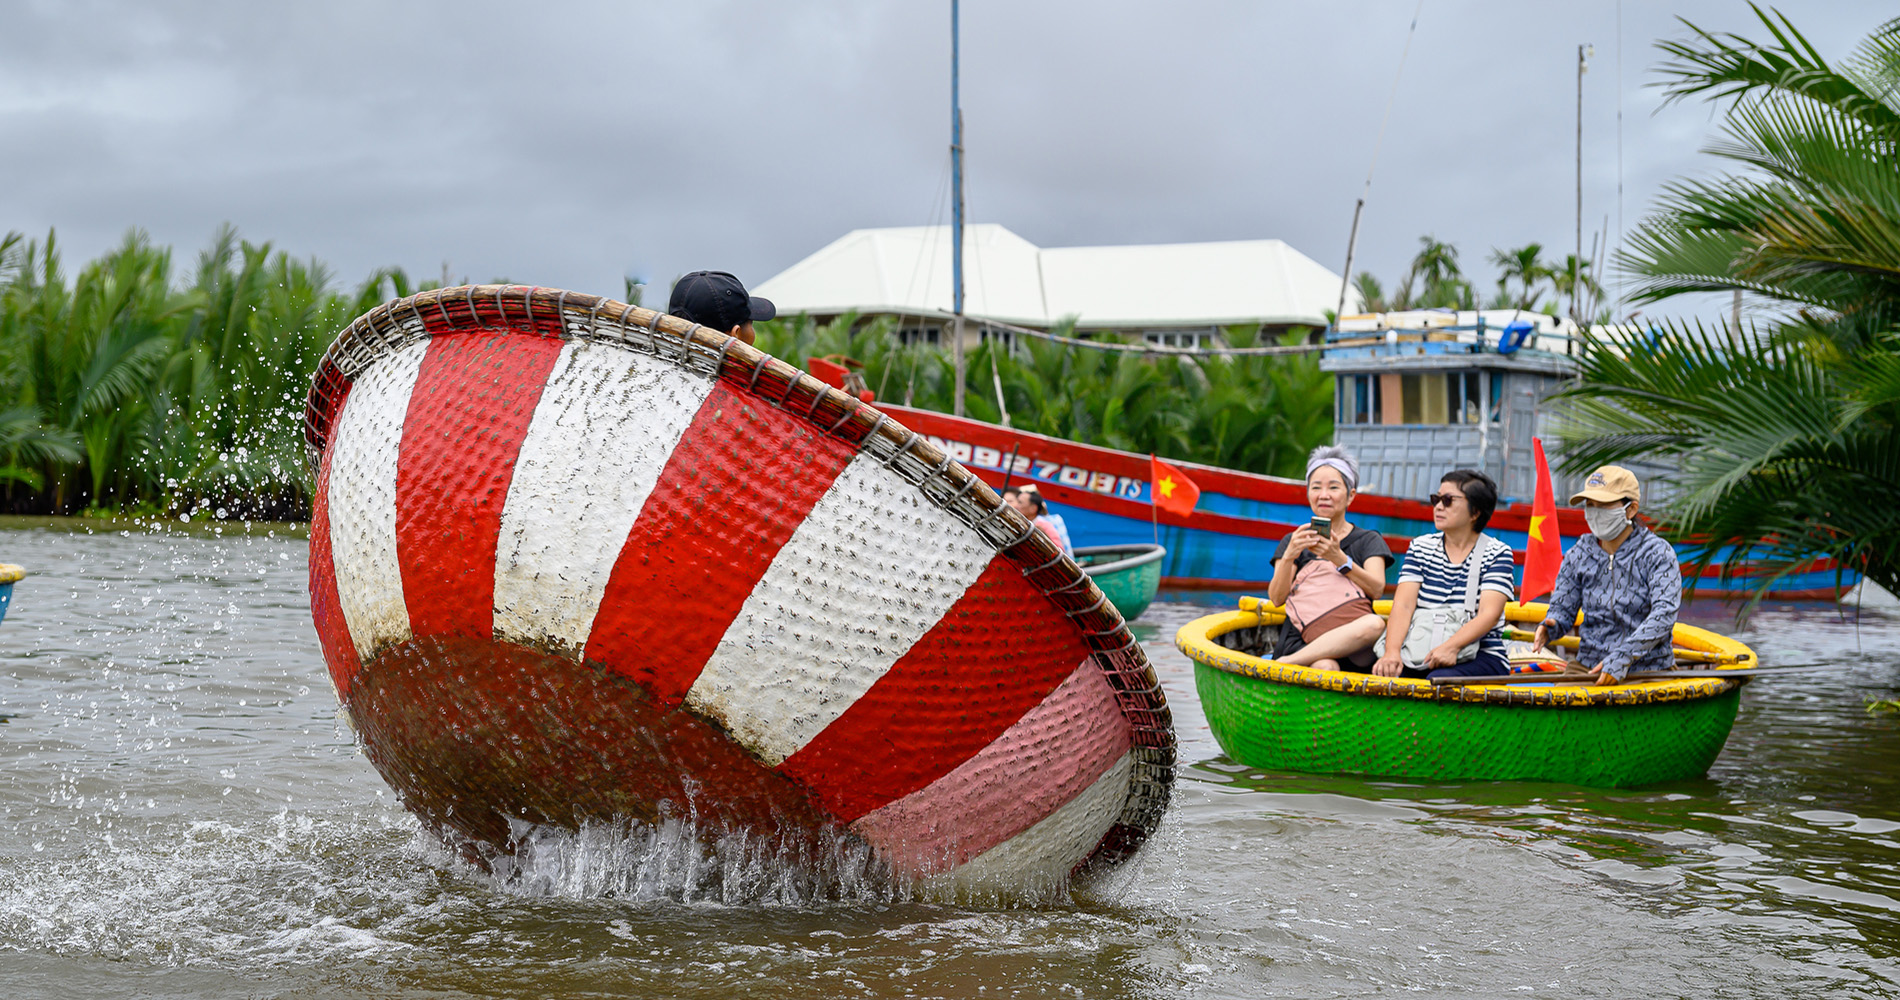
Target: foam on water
[213, 892]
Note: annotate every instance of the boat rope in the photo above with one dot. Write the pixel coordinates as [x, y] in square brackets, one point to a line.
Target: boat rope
[1149, 348]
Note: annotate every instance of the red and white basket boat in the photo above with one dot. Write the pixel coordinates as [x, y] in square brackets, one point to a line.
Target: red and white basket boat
[573, 560]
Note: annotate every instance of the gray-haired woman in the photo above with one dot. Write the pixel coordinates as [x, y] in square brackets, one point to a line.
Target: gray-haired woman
[1328, 579]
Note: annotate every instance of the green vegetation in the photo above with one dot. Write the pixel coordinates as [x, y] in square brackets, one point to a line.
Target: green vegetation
[1435, 281]
[130, 388]
[1787, 433]
[126, 389]
[1256, 413]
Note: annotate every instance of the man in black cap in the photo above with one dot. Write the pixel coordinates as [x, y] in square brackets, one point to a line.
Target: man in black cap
[716, 299]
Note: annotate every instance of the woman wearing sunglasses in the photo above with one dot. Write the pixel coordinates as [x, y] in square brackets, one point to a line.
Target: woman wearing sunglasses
[1327, 573]
[1452, 589]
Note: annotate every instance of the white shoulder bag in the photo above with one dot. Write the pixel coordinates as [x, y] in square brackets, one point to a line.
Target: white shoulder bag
[1433, 627]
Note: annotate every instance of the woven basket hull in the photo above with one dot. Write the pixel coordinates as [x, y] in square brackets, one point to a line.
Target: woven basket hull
[1269, 714]
[573, 562]
[1277, 726]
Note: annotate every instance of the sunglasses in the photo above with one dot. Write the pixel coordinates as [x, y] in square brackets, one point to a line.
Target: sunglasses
[1442, 499]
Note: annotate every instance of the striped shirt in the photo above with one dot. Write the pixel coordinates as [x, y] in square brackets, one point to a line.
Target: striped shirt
[1441, 583]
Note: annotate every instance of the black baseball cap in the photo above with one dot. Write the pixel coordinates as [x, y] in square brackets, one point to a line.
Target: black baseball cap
[717, 299]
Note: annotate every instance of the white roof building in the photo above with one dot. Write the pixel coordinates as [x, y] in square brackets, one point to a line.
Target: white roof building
[906, 272]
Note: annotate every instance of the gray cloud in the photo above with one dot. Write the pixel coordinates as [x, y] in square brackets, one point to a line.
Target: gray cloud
[569, 144]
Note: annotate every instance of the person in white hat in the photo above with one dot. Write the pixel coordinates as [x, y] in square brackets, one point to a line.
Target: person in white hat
[1623, 577]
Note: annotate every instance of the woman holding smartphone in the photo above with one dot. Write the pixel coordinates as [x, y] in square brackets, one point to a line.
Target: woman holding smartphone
[1327, 573]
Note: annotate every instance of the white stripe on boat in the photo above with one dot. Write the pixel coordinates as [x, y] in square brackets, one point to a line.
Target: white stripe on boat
[871, 569]
[362, 501]
[601, 434]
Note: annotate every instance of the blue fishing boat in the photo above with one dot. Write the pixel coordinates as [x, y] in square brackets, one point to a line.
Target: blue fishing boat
[1416, 394]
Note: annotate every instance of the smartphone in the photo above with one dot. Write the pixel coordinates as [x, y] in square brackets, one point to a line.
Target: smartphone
[1323, 526]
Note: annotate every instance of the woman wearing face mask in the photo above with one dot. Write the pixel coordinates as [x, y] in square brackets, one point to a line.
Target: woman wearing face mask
[1624, 579]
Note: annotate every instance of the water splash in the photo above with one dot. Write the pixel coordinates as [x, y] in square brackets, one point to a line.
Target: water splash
[686, 860]
[680, 860]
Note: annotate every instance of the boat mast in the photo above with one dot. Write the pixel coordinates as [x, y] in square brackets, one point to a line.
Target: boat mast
[956, 215]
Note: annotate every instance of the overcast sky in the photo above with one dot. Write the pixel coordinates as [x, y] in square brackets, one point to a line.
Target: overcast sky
[570, 144]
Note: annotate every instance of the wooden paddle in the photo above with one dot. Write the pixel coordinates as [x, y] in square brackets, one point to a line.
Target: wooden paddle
[1572, 642]
[1646, 675]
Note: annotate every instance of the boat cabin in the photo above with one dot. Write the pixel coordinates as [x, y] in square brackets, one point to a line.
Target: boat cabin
[1418, 393]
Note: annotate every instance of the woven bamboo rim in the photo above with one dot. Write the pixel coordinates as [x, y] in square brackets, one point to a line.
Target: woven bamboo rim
[1200, 641]
[713, 354]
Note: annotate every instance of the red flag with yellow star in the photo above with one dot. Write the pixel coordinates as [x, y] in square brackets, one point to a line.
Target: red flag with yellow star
[1172, 490]
[1543, 552]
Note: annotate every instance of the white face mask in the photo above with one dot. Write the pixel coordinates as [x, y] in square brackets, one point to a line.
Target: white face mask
[1606, 522]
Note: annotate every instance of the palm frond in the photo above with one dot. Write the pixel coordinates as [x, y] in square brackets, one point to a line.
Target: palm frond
[1728, 67]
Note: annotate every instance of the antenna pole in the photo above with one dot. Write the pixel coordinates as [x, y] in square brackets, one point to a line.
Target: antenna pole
[1576, 262]
[956, 214]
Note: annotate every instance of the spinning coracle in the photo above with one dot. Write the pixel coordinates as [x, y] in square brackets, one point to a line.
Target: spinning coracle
[573, 560]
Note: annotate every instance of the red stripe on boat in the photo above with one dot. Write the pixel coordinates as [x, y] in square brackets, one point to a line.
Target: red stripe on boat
[474, 398]
[326, 607]
[687, 566]
[999, 651]
[1008, 786]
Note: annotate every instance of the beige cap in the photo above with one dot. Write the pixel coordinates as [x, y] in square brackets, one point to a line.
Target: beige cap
[1611, 482]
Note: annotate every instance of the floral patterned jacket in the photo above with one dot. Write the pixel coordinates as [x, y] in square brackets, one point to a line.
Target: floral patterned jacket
[1629, 602]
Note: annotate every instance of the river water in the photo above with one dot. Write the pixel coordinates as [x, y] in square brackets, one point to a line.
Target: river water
[183, 814]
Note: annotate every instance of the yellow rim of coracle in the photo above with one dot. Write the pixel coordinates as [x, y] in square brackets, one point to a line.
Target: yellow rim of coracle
[1197, 640]
[10, 573]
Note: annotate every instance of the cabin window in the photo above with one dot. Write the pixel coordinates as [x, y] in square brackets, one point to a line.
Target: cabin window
[1467, 401]
[1422, 399]
[1418, 398]
[1359, 400]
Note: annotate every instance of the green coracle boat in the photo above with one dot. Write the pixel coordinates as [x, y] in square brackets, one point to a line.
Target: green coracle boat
[1279, 716]
[1129, 574]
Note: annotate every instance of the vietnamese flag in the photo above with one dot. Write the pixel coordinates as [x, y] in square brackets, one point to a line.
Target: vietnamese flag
[1171, 489]
[1543, 553]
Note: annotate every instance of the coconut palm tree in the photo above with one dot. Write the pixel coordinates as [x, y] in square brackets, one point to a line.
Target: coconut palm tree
[1371, 294]
[1433, 280]
[1525, 266]
[1787, 436]
[1571, 279]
